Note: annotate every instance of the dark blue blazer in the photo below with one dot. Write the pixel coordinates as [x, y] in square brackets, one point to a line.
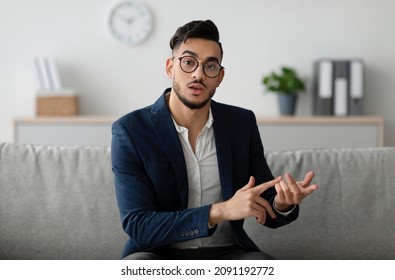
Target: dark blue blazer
[151, 178]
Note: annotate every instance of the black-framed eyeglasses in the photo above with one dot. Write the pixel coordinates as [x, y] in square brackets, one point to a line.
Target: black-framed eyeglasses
[189, 64]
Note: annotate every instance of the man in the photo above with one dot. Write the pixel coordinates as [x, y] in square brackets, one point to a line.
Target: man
[188, 170]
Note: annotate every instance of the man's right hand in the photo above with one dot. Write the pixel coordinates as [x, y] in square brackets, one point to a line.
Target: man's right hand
[245, 203]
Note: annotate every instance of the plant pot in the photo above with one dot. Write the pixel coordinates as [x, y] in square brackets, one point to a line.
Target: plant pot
[287, 103]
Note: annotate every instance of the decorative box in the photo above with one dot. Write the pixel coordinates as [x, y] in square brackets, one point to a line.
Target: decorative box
[56, 105]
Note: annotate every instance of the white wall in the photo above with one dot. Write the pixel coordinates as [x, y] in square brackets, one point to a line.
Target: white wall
[258, 36]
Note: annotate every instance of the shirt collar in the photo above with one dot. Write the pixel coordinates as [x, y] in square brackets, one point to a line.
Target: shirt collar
[209, 123]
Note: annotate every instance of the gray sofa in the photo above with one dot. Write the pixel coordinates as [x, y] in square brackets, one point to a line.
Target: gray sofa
[58, 203]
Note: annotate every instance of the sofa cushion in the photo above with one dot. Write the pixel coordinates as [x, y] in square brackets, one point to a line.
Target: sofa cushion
[58, 203]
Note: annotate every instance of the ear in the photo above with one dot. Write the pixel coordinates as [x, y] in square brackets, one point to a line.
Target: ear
[169, 67]
[220, 77]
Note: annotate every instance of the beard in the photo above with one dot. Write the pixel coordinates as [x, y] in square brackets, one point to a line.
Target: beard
[190, 104]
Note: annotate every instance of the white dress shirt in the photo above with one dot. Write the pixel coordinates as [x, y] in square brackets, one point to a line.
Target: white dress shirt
[204, 183]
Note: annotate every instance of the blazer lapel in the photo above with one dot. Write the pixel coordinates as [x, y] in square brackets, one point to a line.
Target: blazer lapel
[224, 150]
[167, 135]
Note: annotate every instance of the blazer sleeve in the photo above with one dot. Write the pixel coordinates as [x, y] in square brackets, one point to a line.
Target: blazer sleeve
[146, 223]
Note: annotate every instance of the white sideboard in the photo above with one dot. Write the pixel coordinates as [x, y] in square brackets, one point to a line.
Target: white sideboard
[277, 134]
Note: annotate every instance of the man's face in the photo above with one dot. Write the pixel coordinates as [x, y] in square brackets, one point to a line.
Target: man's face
[195, 89]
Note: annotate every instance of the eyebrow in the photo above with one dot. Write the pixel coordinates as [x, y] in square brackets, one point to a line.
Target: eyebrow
[210, 58]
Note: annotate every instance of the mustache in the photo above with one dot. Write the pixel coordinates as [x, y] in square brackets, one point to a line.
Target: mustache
[197, 82]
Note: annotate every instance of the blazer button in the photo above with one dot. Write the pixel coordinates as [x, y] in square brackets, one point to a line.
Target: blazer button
[191, 233]
[182, 234]
[187, 233]
[197, 231]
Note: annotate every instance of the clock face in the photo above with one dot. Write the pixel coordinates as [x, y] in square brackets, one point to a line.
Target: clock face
[130, 22]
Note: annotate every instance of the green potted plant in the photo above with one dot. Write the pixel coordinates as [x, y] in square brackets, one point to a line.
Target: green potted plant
[287, 84]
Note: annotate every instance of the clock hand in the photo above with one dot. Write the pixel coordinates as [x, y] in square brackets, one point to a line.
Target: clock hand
[126, 19]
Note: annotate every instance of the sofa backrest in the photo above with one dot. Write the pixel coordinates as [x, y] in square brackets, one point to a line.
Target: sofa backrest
[351, 215]
[58, 203]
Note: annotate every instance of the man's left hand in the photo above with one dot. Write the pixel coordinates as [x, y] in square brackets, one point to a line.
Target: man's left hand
[291, 192]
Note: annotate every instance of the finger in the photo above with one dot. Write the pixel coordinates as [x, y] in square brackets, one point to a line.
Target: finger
[308, 190]
[290, 179]
[308, 178]
[264, 205]
[285, 188]
[260, 217]
[250, 184]
[280, 193]
[292, 185]
[267, 185]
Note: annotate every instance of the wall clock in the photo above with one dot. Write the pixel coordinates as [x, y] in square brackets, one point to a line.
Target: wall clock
[130, 21]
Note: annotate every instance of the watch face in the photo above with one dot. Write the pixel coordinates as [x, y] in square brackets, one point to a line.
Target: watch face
[130, 22]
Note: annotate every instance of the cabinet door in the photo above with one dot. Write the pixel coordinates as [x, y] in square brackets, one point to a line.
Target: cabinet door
[277, 137]
[64, 134]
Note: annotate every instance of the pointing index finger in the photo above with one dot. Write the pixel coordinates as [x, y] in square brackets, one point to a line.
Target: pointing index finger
[267, 185]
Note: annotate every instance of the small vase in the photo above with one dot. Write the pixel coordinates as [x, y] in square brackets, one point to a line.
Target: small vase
[287, 103]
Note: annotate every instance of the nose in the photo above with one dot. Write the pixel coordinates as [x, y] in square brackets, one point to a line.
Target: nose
[199, 73]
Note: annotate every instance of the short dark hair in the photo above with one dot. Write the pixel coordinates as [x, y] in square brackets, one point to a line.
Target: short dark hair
[202, 29]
